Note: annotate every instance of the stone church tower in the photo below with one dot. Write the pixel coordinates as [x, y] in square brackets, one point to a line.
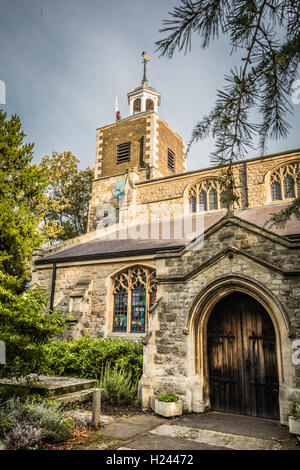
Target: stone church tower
[140, 147]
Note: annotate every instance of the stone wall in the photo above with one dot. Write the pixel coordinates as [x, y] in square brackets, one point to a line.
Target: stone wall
[230, 250]
[91, 284]
[157, 195]
[110, 137]
[167, 139]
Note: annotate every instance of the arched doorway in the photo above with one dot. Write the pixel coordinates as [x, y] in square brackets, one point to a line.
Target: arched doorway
[242, 365]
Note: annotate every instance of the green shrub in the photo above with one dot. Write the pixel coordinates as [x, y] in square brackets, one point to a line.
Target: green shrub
[168, 397]
[85, 357]
[13, 391]
[116, 384]
[294, 408]
[26, 327]
[35, 421]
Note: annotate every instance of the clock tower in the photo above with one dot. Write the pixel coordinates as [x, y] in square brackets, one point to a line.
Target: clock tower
[141, 145]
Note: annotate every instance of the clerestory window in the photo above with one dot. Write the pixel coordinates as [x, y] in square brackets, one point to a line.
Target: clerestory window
[285, 182]
[206, 195]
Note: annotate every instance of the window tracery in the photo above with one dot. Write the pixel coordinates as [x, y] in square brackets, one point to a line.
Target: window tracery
[206, 195]
[285, 182]
[134, 293]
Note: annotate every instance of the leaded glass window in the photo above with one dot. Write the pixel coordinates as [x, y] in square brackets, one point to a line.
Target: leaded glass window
[120, 311]
[203, 201]
[213, 199]
[138, 310]
[276, 191]
[193, 204]
[285, 182]
[289, 187]
[206, 195]
[134, 293]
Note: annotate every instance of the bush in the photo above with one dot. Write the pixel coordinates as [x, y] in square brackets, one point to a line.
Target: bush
[294, 408]
[116, 384]
[26, 326]
[24, 436]
[168, 397]
[33, 421]
[86, 357]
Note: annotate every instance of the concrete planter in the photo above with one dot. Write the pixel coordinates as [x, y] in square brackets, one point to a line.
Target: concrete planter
[294, 426]
[173, 408]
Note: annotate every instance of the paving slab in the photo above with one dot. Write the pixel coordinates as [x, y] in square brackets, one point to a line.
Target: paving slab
[236, 424]
[216, 438]
[147, 420]
[123, 431]
[153, 442]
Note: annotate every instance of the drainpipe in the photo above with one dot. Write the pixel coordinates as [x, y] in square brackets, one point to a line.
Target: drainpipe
[52, 287]
[246, 185]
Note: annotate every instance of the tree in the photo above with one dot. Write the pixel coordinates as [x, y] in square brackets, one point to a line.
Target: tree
[267, 32]
[65, 204]
[21, 188]
[26, 327]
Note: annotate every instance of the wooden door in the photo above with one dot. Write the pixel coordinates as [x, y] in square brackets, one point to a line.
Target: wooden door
[242, 358]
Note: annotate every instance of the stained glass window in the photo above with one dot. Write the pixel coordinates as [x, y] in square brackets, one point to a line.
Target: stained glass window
[134, 292]
[120, 311]
[138, 310]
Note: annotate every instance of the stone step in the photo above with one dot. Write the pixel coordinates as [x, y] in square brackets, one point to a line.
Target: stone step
[76, 397]
[216, 438]
[53, 386]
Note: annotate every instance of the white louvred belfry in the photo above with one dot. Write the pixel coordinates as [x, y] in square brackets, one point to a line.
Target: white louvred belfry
[143, 98]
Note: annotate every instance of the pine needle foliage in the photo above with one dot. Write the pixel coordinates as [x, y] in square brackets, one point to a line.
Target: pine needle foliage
[267, 33]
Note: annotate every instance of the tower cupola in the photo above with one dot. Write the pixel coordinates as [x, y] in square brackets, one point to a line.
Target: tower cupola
[143, 98]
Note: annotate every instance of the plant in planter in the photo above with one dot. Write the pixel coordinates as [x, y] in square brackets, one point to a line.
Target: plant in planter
[294, 415]
[168, 405]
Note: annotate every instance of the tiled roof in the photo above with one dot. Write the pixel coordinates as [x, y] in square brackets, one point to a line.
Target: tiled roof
[168, 235]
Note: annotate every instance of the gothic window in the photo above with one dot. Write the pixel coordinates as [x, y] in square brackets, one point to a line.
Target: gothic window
[206, 195]
[134, 293]
[285, 182]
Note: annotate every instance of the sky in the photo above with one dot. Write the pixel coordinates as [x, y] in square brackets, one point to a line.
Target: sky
[64, 62]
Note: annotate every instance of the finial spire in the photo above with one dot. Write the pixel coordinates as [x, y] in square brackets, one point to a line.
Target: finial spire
[145, 60]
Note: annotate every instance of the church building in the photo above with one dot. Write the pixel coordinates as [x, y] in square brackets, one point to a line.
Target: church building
[214, 295]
